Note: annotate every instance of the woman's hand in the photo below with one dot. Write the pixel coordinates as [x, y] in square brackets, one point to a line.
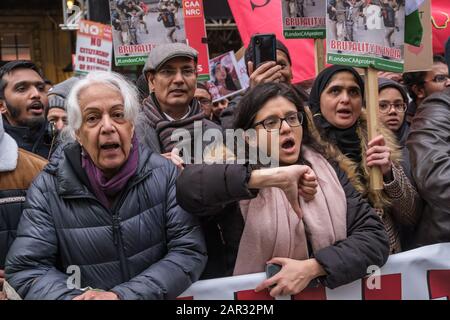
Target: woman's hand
[308, 186]
[293, 277]
[2, 279]
[294, 180]
[174, 157]
[266, 72]
[378, 154]
[97, 295]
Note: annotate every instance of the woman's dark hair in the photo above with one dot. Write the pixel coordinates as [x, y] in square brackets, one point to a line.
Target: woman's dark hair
[257, 97]
[229, 83]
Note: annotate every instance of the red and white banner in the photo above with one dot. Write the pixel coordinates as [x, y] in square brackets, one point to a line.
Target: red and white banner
[420, 274]
[94, 47]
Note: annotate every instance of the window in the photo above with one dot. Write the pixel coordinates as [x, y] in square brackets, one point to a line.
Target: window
[15, 46]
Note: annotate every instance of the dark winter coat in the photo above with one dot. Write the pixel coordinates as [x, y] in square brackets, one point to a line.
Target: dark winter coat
[13, 188]
[144, 247]
[39, 143]
[211, 190]
[429, 147]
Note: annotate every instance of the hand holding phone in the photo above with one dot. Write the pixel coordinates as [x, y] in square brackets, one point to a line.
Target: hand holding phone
[264, 48]
[272, 269]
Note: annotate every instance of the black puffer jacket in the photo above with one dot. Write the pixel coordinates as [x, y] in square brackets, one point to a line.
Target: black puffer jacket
[145, 247]
[213, 190]
[39, 142]
[429, 147]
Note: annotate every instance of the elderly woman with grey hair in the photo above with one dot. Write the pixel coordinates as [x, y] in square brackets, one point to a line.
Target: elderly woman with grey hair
[102, 220]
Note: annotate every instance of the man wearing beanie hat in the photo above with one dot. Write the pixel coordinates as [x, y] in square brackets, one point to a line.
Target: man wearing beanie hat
[18, 168]
[57, 95]
[171, 72]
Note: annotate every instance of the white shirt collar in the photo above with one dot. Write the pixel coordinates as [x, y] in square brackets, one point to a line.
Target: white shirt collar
[183, 117]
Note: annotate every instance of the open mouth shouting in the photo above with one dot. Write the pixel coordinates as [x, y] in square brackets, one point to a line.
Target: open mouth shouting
[36, 108]
[288, 145]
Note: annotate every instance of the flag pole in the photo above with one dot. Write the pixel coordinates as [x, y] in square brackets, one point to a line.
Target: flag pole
[371, 89]
[319, 55]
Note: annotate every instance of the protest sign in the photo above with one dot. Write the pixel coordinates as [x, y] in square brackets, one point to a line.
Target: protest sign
[303, 18]
[420, 274]
[366, 33]
[225, 77]
[139, 26]
[94, 47]
[418, 58]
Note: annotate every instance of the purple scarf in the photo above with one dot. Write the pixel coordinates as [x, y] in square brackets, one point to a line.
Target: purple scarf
[106, 189]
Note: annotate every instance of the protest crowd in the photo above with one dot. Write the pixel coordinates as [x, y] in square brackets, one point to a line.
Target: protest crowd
[95, 178]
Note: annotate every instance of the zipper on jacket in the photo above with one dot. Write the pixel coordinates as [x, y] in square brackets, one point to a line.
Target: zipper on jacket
[221, 234]
[117, 238]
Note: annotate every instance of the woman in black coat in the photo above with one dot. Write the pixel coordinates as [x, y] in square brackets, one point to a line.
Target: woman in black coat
[282, 205]
[103, 215]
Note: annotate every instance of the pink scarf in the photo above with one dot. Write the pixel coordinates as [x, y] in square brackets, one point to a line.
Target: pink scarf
[273, 229]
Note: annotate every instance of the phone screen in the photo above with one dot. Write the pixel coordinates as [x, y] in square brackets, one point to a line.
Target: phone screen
[264, 48]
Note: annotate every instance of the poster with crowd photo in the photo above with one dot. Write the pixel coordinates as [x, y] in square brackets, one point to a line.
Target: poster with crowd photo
[365, 33]
[139, 26]
[303, 18]
[225, 78]
[94, 47]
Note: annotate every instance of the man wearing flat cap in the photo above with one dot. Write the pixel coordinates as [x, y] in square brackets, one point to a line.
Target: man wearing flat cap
[171, 73]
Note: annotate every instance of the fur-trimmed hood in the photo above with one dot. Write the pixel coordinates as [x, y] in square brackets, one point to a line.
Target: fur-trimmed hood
[9, 151]
[358, 174]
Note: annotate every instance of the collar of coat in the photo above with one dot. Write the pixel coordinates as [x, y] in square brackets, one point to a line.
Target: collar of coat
[9, 152]
[71, 179]
[358, 174]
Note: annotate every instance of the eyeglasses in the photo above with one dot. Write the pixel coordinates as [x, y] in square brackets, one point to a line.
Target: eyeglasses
[274, 123]
[439, 78]
[385, 107]
[205, 102]
[170, 73]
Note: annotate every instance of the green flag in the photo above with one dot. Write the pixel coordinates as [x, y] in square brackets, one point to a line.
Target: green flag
[413, 29]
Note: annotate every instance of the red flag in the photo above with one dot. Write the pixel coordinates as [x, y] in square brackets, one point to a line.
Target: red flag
[440, 11]
[264, 16]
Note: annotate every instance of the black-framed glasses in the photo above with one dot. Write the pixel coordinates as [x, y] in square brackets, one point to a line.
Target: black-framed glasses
[439, 78]
[385, 107]
[273, 123]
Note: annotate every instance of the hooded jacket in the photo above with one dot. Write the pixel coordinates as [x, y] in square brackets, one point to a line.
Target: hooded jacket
[18, 168]
[398, 202]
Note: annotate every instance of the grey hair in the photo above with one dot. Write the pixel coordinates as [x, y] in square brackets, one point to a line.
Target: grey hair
[111, 79]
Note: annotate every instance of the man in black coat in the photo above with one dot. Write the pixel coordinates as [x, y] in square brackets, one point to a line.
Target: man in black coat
[23, 102]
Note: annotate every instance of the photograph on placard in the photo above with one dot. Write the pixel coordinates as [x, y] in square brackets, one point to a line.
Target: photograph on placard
[225, 78]
[139, 26]
[303, 18]
[366, 33]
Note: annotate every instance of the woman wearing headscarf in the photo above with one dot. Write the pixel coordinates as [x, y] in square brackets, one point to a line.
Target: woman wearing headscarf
[103, 214]
[336, 103]
[302, 214]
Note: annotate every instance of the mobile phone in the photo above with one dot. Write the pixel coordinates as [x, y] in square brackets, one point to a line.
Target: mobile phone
[272, 269]
[264, 48]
